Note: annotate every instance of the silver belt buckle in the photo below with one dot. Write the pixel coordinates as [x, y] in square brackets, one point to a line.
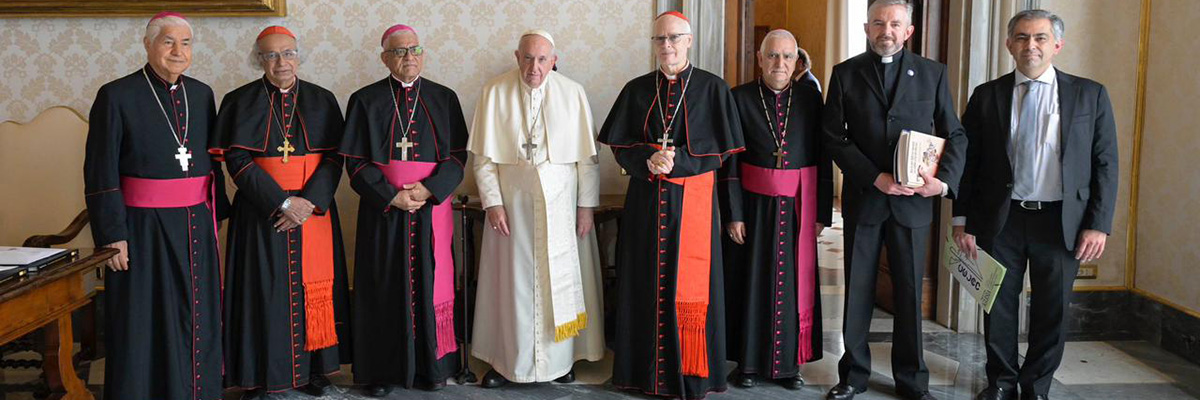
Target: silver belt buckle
[1031, 205]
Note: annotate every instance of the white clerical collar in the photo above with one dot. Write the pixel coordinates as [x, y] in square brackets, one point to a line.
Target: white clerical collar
[406, 84]
[1047, 77]
[673, 77]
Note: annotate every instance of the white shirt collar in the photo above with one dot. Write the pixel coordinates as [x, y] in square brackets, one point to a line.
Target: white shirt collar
[1047, 77]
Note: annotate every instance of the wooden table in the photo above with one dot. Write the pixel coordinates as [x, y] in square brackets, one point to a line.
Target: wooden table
[46, 299]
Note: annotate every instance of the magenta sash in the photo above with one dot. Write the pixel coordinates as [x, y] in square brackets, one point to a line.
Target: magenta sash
[801, 184]
[400, 173]
[171, 193]
[165, 193]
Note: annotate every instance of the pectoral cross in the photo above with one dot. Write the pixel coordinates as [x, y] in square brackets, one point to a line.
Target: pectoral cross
[184, 156]
[666, 139]
[404, 145]
[778, 158]
[286, 149]
[528, 146]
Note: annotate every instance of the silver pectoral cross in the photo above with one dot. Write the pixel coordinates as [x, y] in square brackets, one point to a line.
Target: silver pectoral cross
[184, 157]
[528, 146]
[666, 139]
[778, 157]
[404, 145]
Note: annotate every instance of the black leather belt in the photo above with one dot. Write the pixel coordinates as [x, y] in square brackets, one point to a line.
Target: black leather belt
[1035, 205]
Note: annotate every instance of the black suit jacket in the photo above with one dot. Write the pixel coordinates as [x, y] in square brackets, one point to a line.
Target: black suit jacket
[1088, 151]
[862, 129]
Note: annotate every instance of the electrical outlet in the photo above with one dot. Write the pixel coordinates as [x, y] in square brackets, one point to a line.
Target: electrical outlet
[1088, 271]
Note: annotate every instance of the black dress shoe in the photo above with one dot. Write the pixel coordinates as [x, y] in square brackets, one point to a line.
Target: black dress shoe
[793, 383]
[432, 386]
[745, 380]
[254, 394]
[995, 393]
[1036, 397]
[568, 378]
[377, 390]
[317, 386]
[843, 391]
[492, 380]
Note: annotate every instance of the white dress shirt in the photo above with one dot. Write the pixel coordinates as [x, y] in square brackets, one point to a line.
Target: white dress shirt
[1047, 157]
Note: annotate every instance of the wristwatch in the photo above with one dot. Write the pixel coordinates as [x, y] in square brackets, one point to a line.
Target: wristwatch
[286, 203]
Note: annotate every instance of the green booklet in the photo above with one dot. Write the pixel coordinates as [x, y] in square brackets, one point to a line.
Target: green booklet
[981, 277]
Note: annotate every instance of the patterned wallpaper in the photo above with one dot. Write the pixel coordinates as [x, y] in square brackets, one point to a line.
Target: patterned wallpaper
[601, 44]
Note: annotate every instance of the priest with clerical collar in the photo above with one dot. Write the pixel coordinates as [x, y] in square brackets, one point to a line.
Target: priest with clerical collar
[671, 130]
[154, 194]
[539, 306]
[777, 196]
[286, 292]
[405, 144]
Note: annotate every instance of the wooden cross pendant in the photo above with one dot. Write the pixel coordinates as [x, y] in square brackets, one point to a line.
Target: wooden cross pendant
[286, 149]
[404, 144]
[778, 158]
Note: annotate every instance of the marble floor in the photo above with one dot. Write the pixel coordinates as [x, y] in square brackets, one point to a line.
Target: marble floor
[1090, 370]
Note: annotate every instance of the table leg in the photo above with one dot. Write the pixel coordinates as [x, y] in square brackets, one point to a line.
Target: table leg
[58, 362]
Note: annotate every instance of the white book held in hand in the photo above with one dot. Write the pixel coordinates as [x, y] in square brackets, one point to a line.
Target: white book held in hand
[916, 152]
[981, 277]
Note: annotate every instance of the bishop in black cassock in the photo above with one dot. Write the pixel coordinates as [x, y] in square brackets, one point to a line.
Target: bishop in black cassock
[154, 193]
[670, 130]
[776, 197]
[405, 145]
[286, 293]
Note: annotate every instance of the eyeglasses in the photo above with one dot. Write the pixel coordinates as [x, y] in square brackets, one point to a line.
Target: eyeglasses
[785, 56]
[673, 38]
[400, 52]
[288, 55]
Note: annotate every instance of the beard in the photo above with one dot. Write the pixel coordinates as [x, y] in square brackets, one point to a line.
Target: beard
[886, 46]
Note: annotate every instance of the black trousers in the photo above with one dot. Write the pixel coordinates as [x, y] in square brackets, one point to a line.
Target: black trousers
[1032, 238]
[906, 250]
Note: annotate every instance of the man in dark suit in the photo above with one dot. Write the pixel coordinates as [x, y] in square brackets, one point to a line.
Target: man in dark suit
[871, 99]
[1039, 189]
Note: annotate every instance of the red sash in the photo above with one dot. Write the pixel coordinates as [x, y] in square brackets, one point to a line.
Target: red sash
[400, 173]
[316, 247]
[801, 184]
[694, 267]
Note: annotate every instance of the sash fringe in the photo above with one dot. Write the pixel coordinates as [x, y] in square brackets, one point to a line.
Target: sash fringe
[804, 347]
[444, 316]
[319, 320]
[693, 323]
[571, 329]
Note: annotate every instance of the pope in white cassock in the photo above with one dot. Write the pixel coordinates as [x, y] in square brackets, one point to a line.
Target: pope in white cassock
[538, 308]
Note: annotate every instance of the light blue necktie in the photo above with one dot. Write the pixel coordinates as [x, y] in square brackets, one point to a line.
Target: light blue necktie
[1025, 145]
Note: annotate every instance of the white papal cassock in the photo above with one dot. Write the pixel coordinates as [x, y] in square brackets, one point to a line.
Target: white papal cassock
[538, 308]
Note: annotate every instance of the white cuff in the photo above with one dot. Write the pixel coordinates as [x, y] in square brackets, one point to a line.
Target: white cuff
[958, 221]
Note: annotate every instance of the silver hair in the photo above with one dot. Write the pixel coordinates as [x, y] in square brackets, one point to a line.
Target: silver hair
[885, 3]
[779, 34]
[256, 62]
[155, 27]
[1056, 24]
